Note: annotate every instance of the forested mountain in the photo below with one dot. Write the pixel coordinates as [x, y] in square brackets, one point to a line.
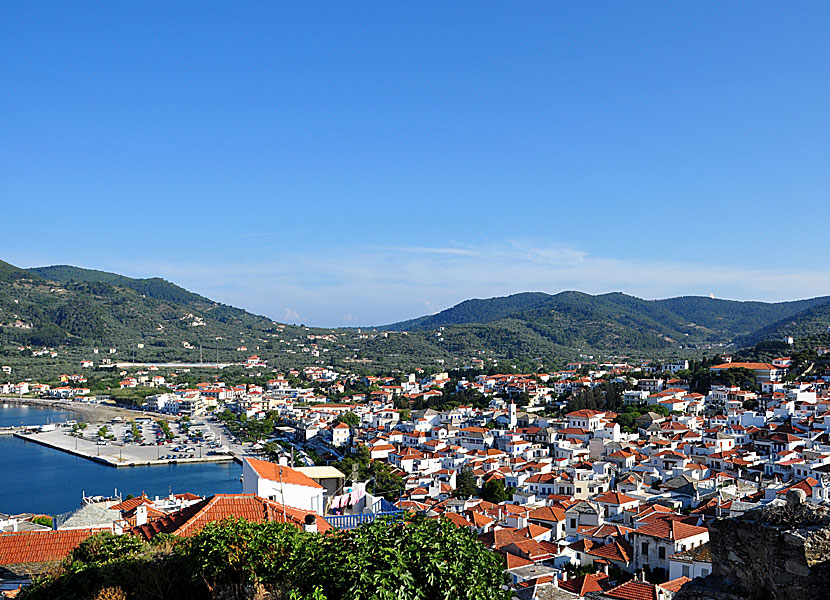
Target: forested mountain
[154, 287]
[474, 311]
[618, 321]
[813, 322]
[52, 306]
[78, 309]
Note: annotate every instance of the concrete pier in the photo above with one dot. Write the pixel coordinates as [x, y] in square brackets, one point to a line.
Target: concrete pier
[114, 454]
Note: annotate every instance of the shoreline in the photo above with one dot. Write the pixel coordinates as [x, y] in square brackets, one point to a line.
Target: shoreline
[92, 412]
[113, 461]
[112, 455]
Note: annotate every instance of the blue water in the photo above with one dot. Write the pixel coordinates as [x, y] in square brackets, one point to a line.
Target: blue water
[34, 478]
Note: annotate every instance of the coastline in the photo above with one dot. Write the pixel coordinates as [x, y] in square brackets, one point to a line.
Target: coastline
[111, 460]
[91, 412]
[114, 454]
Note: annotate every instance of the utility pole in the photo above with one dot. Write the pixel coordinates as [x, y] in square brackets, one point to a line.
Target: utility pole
[282, 495]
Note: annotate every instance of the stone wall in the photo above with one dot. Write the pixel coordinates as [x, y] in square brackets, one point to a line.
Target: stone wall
[778, 552]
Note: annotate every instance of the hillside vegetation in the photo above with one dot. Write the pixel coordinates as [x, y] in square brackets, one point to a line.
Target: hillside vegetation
[154, 320]
[616, 321]
[412, 558]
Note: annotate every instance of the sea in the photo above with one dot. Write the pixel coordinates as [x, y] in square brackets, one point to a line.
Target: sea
[38, 479]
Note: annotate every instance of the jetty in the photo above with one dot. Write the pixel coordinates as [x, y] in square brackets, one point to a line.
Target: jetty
[115, 454]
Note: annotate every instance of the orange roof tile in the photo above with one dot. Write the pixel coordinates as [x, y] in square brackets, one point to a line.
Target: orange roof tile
[671, 530]
[41, 546]
[634, 590]
[592, 582]
[190, 520]
[275, 472]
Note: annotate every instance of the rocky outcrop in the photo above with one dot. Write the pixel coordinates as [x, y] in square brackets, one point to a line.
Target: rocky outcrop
[776, 552]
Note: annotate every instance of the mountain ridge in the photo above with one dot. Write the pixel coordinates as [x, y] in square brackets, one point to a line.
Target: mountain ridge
[682, 314]
[62, 305]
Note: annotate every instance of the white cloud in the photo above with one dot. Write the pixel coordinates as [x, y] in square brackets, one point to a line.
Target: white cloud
[291, 316]
[426, 250]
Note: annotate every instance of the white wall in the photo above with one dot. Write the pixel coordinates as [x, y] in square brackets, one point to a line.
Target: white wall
[298, 496]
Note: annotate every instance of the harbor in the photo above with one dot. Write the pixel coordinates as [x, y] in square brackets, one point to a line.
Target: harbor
[52, 477]
[119, 455]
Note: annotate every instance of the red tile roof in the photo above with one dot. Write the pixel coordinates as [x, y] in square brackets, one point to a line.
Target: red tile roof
[620, 551]
[130, 504]
[675, 584]
[275, 472]
[514, 561]
[500, 537]
[41, 546]
[457, 520]
[547, 514]
[190, 520]
[614, 498]
[671, 530]
[592, 582]
[634, 590]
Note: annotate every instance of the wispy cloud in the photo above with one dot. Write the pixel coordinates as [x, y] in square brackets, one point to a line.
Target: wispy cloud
[369, 286]
[291, 316]
[427, 250]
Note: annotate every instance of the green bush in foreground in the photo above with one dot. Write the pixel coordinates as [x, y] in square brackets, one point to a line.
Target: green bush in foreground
[407, 559]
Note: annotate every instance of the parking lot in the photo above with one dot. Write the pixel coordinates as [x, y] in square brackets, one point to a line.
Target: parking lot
[119, 442]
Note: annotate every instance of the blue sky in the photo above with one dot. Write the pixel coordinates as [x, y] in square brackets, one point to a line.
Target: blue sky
[340, 164]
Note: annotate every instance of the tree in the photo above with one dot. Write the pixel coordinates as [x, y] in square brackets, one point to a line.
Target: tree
[495, 491]
[357, 466]
[407, 557]
[414, 557]
[104, 547]
[349, 418]
[465, 484]
[43, 520]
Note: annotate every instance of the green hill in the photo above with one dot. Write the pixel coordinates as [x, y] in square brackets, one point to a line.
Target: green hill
[474, 311]
[54, 306]
[154, 287]
[155, 320]
[10, 273]
[616, 322]
[812, 323]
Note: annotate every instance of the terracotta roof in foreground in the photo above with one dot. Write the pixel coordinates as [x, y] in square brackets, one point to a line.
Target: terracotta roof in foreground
[190, 520]
[41, 546]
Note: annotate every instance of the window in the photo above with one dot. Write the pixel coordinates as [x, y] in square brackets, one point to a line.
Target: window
[661, 552]
[685, 570]
[573, 523]
[704, 572]
[644, 548]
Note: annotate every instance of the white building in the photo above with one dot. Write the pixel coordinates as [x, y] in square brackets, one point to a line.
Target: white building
[282, 484]
[340, 434]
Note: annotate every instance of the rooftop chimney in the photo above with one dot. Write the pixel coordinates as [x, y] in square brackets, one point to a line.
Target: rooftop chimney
[141, 514]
